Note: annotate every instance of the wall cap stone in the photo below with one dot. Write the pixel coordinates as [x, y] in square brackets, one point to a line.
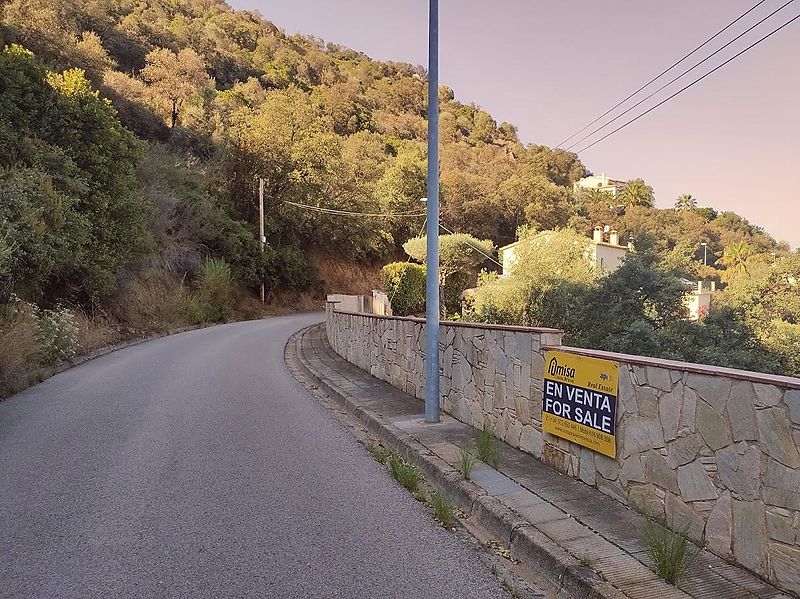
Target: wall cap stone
[734, 373]
[457, 323]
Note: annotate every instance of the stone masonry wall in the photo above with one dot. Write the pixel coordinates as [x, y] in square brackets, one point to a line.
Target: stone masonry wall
[710, 451]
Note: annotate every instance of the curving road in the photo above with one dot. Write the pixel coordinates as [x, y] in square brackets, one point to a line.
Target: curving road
[195, 466]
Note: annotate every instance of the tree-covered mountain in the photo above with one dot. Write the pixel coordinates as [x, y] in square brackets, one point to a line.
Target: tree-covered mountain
[133, 133]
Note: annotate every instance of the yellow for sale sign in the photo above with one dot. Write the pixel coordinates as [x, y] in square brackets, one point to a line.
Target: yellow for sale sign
[580, 400]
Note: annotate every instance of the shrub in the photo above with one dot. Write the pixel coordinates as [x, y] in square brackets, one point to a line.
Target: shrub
[671, 552]
[443, 508]
[454, 286]
[215, 289]
[404, 283]
[193, 309]
[57, 335]
[487, 447]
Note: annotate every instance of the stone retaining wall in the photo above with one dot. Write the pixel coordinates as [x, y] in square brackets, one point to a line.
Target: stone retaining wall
[712, 451]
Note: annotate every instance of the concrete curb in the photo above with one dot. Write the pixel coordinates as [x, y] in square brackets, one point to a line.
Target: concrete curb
[527, 544]
[41, 374]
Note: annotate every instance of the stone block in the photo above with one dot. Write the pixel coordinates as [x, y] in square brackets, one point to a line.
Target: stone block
[669, 411]
[632, 470]
[639, 375]
[659, 378]
[780, 526]
[513, 433]
[792, 399]
[606, 467]
[556, 458]
[645, 500]
[612, 489]
[739, 468]
[719, 526]
[683, 519]
[587, 471]
[531, 441]
[640, 434]
[750, 535]
[523, 407]
[712, 426]
[713, 389]
[647, 402]
[688, 409]
[658, 472]
[775, 434]
[767, 396]
[683, 450]
[740, 411]
[779, 478]
[522, 347]
[694, 483]
[785, 565]
[626, 393]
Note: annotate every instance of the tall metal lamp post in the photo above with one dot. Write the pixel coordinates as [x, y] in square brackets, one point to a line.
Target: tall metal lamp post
[432, 250]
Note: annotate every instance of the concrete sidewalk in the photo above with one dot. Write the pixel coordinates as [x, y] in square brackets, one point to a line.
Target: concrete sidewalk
[580, 539]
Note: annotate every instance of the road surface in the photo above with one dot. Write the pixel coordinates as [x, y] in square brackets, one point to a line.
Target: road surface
[195, 466]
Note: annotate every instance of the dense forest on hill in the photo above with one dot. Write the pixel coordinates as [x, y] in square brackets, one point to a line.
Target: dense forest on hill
[133, 133]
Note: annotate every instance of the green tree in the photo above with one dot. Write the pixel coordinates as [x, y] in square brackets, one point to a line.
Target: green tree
[175, 78]
[734, 259]
[685, 202]
[637, 193]
[458, 252]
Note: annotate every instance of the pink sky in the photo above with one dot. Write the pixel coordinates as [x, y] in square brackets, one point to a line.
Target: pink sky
[732, 141]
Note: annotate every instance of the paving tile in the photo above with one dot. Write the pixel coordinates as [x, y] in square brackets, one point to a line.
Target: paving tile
[589, 550]
[493, 482]
[565, 530]
[623, 567]
[519, 499]
[540, 513]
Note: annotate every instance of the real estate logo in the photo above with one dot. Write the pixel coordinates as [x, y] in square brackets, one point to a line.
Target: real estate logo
[580, 400]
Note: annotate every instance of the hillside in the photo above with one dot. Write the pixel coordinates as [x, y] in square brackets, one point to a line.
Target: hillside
[133, 133]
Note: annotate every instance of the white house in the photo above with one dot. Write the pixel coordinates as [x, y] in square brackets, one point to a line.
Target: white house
[698, 299]
[601, 183]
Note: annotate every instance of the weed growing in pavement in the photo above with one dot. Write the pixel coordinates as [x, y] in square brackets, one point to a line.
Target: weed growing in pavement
[420, 495]
[406, 474]
[488, 448]
[380, 453]
[443, 508]
[466, 461]
[671, 552]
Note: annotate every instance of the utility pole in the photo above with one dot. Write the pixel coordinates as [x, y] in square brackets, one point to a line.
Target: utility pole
[432, 250]
[262, 239]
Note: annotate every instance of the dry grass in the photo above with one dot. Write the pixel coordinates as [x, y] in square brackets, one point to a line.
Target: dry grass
[339, 276]
[96, 332]
[18, 347]
[151, 302]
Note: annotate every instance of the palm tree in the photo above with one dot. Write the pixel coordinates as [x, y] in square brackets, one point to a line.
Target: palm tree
[686, 202]
[734, 259]
[637, 193]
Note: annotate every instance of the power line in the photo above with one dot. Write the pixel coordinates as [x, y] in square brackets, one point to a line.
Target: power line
[643, 100]
[665, 71]
[472, 246]
[350, 213]
[683, 89]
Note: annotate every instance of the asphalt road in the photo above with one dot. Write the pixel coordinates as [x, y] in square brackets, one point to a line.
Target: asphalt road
[195, 466]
